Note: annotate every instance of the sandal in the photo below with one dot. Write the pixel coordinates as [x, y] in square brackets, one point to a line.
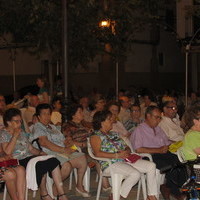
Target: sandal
[44, 196]
[58, 196]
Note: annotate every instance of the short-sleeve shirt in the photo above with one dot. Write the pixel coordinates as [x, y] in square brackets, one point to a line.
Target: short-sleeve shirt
[145, 136]
[111, 147]
[191, 142]
[21, 150]
[51, 132]
[54, 136]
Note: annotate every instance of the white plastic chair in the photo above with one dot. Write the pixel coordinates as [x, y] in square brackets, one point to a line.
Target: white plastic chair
[86, 178]
[116, 179]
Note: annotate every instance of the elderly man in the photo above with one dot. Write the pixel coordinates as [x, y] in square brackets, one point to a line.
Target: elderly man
[124, 114]
[170, 122]
[27, 113]
[148, 137]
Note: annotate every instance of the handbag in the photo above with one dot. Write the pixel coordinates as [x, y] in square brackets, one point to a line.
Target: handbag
[132, 158]
[9, 163]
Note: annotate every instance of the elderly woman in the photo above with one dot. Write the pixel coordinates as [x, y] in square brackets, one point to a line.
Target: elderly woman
[107, 144]
[15, 142]
[14, 179]
[52, 142]
[191, 144]
[75, 130]
[99, 105]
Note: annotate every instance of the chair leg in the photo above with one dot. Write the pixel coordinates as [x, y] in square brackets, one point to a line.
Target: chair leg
[70, 180]
[5, 192]
[138, 190]
[99, 186]
[144, 187]
[26, 193]
[86, 180]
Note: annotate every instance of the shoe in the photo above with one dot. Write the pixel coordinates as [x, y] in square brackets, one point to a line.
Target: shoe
[58, 196]
[44, 196]
[83, 194]
[180, 197]
[165, 191]
[109, 189]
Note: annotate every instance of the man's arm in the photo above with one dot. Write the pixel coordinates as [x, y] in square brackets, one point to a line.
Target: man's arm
[162, 149]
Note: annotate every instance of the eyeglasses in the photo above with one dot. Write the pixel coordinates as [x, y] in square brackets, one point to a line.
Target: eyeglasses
[157, 116]
[135, 110]
[172, 107]
[17, 121]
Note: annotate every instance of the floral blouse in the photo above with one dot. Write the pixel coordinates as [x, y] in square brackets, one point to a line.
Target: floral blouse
[21, 150]
[110, 143]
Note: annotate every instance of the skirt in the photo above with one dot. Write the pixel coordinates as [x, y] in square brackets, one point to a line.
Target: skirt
[42, 167]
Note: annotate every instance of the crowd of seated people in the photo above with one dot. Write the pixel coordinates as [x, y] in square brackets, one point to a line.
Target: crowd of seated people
[143, 125]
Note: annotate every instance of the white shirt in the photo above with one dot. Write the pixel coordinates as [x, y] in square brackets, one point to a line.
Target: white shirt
[172, 128]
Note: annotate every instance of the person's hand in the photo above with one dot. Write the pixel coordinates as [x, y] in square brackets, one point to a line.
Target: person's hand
[68, 142]
[123, 154]
[69, 151]
[17, 132]
[164, 149]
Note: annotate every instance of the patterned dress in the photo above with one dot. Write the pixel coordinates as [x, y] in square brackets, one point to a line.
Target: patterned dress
[110, 143]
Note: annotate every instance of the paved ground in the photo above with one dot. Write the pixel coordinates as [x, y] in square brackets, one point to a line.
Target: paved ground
[72, 195]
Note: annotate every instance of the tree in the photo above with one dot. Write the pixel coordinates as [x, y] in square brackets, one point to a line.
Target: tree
[38, 23]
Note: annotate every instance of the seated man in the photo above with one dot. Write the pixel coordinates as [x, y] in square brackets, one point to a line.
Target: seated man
[124, 114]
[148, 137]
[28, 113]
[170, 122]
[135, 120]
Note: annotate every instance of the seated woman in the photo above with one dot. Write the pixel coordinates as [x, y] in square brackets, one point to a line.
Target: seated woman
[14, 179]
[75, 130]
[191, 144]
[107, 144]
[52, 142]
[15, 142]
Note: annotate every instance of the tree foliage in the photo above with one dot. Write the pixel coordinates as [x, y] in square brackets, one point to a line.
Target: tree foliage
[39, 23]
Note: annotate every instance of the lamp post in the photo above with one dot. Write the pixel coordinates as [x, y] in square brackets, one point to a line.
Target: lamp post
[111, 24]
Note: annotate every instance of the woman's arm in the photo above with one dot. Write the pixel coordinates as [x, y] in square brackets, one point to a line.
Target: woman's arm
[43, 140]
[96, 146]
[8, 147]
[197, 151]
[35, 151]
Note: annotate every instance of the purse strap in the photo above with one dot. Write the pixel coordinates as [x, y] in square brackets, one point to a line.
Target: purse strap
[112, 141]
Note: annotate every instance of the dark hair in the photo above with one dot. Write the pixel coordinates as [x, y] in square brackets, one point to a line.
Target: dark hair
[42, 106]
[55, 99]
[9, 114]
[150, 109]
[99, 117]
[165, 104]
[193, 112]
[71, 110]
[135, 105]
[112, 103]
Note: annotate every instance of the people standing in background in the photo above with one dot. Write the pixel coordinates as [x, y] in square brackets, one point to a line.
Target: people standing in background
[43, 91]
